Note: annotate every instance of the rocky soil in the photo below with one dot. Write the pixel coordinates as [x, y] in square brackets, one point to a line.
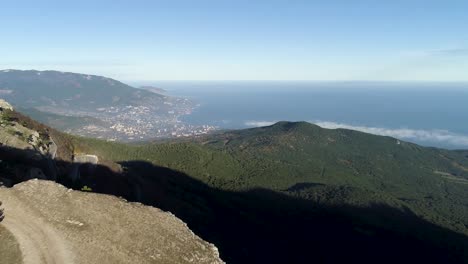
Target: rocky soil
[53, 224]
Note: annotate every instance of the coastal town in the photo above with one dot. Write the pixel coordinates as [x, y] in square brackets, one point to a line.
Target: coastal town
[99, 107]
[136, 123]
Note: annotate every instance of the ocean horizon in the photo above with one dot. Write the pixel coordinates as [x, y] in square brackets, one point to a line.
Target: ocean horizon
[426, 113]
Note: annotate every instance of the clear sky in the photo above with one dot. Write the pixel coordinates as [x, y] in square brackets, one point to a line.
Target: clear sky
[239, 40]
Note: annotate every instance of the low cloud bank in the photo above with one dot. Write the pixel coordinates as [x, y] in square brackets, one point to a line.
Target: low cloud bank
[259, 123]
[436, 136]
[439, 137]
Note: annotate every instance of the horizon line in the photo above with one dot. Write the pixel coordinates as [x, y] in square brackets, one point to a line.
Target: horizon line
[296, 80]
[254, 80]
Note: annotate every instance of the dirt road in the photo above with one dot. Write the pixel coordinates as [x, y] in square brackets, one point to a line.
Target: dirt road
[56, 225]
[38, 241]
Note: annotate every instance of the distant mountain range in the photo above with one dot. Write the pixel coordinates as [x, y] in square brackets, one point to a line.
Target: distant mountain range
[91, 105]
[288, 193]
[65, 91]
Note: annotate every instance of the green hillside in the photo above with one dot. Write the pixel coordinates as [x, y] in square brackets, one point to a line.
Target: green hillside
[61, 122]
[287, 193]
[68, 90]
[291, 157]
[95, 106]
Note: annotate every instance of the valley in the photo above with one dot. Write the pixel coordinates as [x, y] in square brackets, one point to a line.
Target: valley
[277, 194]
[95, 106]
[238, 132]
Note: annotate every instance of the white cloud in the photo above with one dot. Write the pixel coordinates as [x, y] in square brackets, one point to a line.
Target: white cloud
[253, 123]
[435, 136]
[440, 137]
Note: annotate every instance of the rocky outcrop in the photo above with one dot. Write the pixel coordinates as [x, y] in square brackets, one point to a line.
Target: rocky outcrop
[4, 105]
[53, 224]
[82, 160]
[16, 135]
[32, 152]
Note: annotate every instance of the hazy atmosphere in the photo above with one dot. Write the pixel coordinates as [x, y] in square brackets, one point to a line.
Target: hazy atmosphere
[239, 40]
[233, 131]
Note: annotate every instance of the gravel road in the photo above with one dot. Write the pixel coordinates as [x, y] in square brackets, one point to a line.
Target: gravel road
[39, 242]
[56, 225]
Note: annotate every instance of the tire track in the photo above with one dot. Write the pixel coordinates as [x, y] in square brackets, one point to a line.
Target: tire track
[39, 242]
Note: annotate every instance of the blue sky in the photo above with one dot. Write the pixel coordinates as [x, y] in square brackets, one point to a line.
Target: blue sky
[239, 40]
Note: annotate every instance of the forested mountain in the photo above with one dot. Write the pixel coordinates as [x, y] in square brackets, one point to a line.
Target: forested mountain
[69, 91]
[287, 193]
[94, 106]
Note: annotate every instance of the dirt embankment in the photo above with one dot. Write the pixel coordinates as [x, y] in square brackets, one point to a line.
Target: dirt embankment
[53, 224]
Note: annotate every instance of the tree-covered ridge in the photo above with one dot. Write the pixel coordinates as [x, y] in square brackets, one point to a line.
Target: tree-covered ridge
[286, 156]
[96, 106]
[283, 193]
[66, 89]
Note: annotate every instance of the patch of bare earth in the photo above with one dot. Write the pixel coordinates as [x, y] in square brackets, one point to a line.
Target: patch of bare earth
[10, 252]
[53, 224]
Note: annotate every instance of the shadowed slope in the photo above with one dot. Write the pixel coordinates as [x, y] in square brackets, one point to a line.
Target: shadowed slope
[292, 192]
[266, 226]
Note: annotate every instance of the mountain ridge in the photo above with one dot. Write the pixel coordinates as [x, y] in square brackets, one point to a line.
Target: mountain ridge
[67, 86]
[95, 106]
[312, 186]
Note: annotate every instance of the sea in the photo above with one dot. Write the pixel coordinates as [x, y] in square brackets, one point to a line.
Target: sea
[427, 113]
